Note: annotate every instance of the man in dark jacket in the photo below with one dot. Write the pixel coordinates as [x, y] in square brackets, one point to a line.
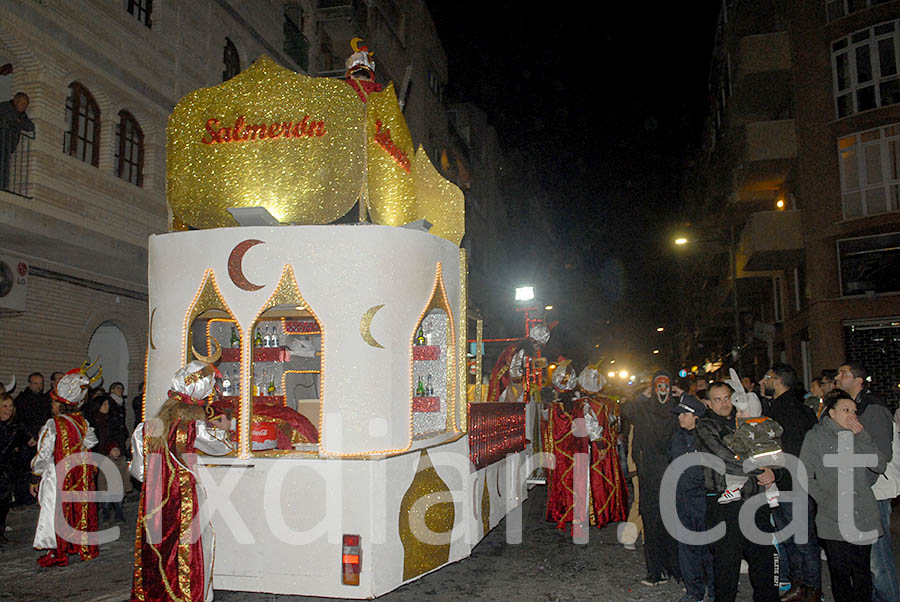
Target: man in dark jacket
[727, 551]
[651, 415]
[787, 409]
[876, 418]
[32, 411]
[695, 562]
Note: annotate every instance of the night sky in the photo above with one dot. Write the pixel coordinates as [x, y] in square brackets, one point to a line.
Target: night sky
[606, 101]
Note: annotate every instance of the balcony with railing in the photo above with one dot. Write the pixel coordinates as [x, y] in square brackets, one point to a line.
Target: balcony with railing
[15, 162]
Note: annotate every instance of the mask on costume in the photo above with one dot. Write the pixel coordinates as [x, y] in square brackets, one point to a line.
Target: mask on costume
[539, 333]
[564, 379]
[662, 384]
[590, 380]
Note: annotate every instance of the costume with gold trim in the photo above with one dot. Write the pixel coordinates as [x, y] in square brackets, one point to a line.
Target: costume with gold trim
[174, 544]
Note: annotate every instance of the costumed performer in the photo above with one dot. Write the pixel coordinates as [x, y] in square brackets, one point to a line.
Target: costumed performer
[506, 382]
[560, 441]
[64, 434]
[172, 561]
[650, 413]
[609, 495]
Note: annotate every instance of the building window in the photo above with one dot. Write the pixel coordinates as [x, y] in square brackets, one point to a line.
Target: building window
[835, 9]
[864, 66]
[296, 45]
[82, 137]
[870, 171]
[129, 149]
[231, 59]
[869, 264]
[140, 9]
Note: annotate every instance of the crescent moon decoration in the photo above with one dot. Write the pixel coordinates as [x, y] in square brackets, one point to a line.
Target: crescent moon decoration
[354, 44]
[365, 326]
[152, 314]
[235, 265]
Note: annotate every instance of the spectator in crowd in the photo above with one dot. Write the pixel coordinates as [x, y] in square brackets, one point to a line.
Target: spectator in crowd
[788, 410]
[828, 376]
[111, 437]
[695, 562]
[54, 378]
[13, 121]
[875, 417]
[712, 428]
[651, 415]
[12, 439]
[842, 510]
[33, 411]
[116, 396]
[813, 399]
[137, 404]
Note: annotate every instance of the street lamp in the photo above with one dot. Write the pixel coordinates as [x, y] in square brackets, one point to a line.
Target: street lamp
[548, 307]
[681, 241]
[660, 329]
[656, 352]
[524, 293]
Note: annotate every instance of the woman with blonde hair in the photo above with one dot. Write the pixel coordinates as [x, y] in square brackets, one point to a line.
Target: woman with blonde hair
[165, 460]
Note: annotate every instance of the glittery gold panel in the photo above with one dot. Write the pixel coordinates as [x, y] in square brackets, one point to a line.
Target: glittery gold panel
[389, 154]
[439, 201]
[439, 516]
[485, 508]
[267, 137]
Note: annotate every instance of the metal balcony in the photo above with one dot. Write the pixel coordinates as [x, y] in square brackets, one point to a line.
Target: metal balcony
[15, 162]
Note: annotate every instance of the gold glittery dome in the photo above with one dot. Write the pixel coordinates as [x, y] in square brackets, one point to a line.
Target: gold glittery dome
[305, 148]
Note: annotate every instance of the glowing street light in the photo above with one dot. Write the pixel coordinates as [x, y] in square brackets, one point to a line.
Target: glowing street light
[623, 374]
[656, 352]
[524, 293]
[681, 241]
[548, 307]
[612, 374]
[660, 329]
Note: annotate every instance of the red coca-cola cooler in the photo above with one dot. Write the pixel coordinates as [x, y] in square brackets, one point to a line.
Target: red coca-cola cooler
[264, 435]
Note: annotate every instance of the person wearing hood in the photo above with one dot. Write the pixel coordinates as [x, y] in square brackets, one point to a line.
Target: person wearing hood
[847, 521]
[583, 426]
[712, 429]
[650, 414]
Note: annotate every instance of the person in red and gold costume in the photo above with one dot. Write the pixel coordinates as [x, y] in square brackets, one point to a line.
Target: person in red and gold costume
[173, 548]
[582, 438]
[65, 434]
[509, 369]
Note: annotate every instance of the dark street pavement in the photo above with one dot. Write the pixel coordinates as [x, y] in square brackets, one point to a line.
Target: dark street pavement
[546, 567]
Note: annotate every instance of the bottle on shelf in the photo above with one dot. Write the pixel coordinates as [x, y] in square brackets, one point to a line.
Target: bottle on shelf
[420, 337]
[235, 340]
[236, 382]
[429, 388]
[420, 388]
[257, 340]
[271, 388]
[275, 334]
[226, 386]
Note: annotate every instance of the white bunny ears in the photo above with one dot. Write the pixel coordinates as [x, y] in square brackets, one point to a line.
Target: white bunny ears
[745, 401]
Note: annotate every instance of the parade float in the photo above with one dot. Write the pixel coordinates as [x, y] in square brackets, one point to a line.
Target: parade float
[359, 464]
